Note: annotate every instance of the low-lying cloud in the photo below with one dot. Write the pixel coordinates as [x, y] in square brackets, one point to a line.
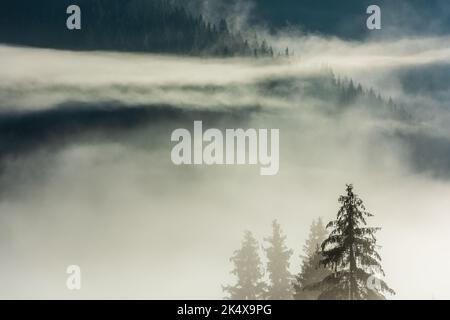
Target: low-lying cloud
[87, 177]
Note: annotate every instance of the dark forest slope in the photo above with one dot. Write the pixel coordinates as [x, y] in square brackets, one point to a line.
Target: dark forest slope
[133, 25]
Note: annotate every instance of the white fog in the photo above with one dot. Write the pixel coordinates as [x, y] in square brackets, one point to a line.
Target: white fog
[108, 198]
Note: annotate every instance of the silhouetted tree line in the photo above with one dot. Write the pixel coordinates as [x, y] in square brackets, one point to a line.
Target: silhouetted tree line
[341, 92]
[342, 264]
[350, 92]
[134, 25]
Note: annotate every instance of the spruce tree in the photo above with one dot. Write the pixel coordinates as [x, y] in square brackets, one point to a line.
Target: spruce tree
[248, 270]
[351, 251]
[278, 255]
[311, 270]
[318, 233]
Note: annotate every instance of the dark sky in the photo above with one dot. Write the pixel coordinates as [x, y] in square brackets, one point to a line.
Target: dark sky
[346, 18]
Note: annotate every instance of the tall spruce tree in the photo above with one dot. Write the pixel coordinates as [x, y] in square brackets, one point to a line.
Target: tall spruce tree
[278, 255]
[248, 270]
[311, 270]
[351, 251]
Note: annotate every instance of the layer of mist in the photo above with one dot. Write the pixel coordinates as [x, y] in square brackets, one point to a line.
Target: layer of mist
[86, 176]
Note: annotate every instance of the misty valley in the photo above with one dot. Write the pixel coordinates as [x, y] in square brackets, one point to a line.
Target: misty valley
[224, 150]
[107, 157]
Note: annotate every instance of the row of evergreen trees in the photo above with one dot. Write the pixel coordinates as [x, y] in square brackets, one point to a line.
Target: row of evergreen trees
[134, 25]
[339, 265]
[249, 271]
[348, 92]
[351, 91]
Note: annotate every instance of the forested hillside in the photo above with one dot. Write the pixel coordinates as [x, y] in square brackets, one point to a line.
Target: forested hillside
[135, 25]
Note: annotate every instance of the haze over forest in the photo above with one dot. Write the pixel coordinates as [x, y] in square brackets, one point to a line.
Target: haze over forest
[85, 125]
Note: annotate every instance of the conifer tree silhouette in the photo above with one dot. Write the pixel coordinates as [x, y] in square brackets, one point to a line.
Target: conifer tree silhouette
[311, 270]
[351, 251]
[248, 270]
[278, 255]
